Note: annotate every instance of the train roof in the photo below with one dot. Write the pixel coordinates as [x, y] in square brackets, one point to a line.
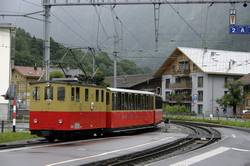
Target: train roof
[130, 91]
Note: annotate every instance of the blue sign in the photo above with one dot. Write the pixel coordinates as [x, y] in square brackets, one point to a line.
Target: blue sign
[239, 29]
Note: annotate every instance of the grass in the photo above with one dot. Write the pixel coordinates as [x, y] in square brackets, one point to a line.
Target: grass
[17, 136]
[245, 124]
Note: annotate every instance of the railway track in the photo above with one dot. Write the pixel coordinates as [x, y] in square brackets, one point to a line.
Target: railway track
[199, 137]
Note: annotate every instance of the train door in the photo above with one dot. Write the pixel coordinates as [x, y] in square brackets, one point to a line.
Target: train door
[108, 110]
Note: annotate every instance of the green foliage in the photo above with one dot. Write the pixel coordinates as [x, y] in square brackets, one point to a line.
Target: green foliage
[176, 109]
[56, 74]
[10, 136]
[234, 96]
[245, 124]
[29, 50]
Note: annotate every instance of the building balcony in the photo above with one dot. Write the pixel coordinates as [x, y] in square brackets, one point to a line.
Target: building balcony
[181, 71]
[181, 85]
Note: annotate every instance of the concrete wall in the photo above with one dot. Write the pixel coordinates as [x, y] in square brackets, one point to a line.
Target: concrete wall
[5, 68]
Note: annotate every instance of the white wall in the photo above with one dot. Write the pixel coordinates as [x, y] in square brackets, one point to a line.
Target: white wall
[5, 49]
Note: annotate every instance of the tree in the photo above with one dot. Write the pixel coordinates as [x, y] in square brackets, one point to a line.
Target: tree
[56, 74]
[233, 97]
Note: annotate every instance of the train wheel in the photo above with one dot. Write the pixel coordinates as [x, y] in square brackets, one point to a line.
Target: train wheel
[51, 138]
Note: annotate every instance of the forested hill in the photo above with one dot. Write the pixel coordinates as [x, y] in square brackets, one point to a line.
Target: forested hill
[29, 52]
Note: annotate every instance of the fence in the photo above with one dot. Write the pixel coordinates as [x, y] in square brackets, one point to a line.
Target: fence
[21, 125]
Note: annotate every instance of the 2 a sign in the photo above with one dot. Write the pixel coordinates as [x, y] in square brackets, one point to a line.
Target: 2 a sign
[239, 29]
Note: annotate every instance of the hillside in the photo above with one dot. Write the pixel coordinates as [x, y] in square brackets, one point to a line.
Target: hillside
[29, 52]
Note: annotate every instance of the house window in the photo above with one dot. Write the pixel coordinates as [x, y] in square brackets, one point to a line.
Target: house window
[195, 68]
[183, 65]
[200, 108]
[167, 95]
[61, 93]
[167, 83]
[177, 79]
[200, 82]
[200, 95]
[248, 102]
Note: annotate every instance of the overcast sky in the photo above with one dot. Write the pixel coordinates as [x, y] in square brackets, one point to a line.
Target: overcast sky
[77, 26]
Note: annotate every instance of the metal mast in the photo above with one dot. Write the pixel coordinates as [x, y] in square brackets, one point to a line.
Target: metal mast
[47, 9]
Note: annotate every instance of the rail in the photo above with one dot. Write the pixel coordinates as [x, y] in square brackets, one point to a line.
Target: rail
[199, 137]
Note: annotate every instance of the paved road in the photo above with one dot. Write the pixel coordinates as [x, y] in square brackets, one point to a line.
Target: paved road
[232, 150]
[79, 152]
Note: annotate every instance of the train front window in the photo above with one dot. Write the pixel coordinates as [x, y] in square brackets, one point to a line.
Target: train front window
[72, 94]
[36, 93]
[60, 93]
[48, 93]
[86, 94]
[96, 95]
[102, 96]
[77, 94]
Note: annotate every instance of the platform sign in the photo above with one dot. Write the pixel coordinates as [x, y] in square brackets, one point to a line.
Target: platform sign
[232, 17]
[239, 29]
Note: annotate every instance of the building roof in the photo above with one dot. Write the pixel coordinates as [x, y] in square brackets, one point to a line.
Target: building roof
[126, 81]
[245, 79]
[215, 61]
[130, 91]
[29, 71]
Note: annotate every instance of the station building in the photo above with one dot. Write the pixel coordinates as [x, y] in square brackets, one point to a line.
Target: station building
[7, 47]
[197, 77]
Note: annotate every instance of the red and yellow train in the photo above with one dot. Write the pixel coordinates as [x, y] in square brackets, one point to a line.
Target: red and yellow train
[61, 109]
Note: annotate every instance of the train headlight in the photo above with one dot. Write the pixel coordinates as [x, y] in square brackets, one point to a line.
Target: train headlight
[60, 121]
[35, 121]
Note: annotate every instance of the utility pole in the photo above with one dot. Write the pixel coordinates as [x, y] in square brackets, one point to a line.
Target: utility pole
[157, 23]
[47, 9]
[115, 52]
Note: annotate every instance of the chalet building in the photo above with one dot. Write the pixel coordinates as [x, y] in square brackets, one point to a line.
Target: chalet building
[246, 88]
[197, 77]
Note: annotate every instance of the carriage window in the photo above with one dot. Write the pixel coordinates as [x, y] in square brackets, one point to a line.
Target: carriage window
[118, 101]
[77, 94]
[48, 93]
[60, 93]
[72, 94]
[107, 98]
[102, 96]
[113, 101]
[96, 95]
[36, 93]
[86, 94]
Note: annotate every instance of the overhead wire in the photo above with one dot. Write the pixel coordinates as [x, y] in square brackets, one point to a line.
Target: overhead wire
[184, 20]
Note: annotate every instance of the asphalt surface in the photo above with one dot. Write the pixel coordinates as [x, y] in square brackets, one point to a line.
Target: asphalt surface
[232, 150]
[85, 151]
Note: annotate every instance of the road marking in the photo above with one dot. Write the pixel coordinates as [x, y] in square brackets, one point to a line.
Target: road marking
[233, 135]
[55, 144]
[241, 150]
[110, 152]
[201, 157]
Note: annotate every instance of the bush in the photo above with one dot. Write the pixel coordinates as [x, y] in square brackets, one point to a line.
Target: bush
[56, 74]
[176, 109]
